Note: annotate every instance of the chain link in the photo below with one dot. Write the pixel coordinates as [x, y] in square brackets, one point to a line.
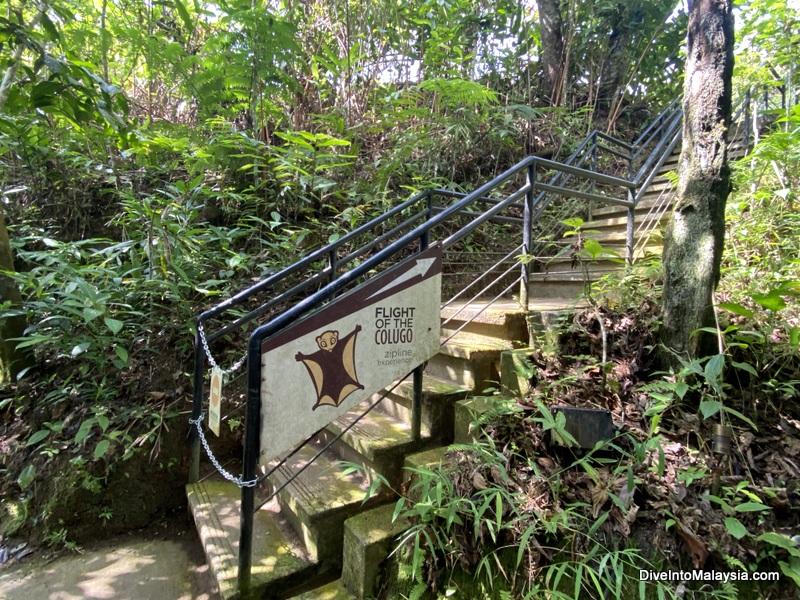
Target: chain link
[237, 480]
[211, 360]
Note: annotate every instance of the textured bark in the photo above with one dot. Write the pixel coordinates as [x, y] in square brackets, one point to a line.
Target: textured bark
[613, 66]
[695, 233]
[551, 32]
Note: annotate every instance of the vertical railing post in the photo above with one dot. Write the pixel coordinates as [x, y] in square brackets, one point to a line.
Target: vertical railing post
[416, 398]
[629, 230]
[197, 407]
[527, 225]
[631, 215]
[332, 264]
[416, 404]
[425, 238]
[252, 434]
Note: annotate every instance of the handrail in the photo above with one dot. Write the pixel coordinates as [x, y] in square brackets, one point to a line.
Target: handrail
[311, 258]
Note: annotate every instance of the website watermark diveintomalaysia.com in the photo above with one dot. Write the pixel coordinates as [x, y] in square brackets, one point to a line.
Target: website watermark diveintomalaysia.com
[700, 575]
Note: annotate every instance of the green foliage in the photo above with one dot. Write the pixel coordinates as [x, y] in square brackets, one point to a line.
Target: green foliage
[302, 168]
[57, 540]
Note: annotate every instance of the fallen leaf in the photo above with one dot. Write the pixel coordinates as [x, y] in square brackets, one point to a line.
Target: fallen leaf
[695, 545]
[478, 481]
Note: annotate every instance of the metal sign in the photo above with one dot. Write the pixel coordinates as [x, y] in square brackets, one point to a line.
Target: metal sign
[352, 348]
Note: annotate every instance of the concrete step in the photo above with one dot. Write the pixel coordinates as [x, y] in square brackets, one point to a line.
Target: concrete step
[330, 591]
[438, 398]
[562, 271]
[618, 226]
[563, 284]
[369, 538]
[615, 223]
[469, 360]
[467, 413]
[429, 459]
[516, 369]
[318, 501]
[642, 208]
[503, 319]
[565, 264]
[280, 563]
[378, 441]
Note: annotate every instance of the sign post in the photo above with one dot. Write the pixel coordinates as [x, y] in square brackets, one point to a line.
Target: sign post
[334, 359]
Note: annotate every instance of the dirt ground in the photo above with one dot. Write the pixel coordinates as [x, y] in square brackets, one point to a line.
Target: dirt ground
[163, 562]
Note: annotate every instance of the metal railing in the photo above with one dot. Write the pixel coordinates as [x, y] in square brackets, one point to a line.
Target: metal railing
[531, 199]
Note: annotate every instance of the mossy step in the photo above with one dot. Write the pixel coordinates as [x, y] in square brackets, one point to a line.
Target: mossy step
[330, 591]
[483, 311]
[610, 236]
[514, 376]
[280, 563]
[554, 304]
[620, 222]
[438, 397]
[429, 459]
[545, 328]
[502, 319]
[564, 264]
[644, 212]
[467, 412]
[468, 360]
[378, 440]
[556, 286]
[369, 538]
[470, 345]
[645, 204]
[433, 388]
[576, 275]
[318, 501]
[470, 375]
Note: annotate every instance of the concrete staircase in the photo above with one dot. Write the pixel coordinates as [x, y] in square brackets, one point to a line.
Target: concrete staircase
[564, 277]
[319, 538]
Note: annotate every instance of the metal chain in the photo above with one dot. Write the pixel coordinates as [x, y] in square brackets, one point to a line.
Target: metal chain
[237, 480]
[211, 360]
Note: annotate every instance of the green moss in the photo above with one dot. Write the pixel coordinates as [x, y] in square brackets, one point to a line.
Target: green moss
[13, 516]
[396, 580]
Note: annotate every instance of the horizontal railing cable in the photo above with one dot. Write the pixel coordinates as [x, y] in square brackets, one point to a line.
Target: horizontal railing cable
[479, 278]
[327, 446]
[481, 311]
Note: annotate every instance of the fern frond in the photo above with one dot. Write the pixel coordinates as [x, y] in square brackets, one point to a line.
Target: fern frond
[459, 92]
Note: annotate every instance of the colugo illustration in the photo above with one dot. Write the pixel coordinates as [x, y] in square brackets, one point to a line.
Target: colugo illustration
[332, 368]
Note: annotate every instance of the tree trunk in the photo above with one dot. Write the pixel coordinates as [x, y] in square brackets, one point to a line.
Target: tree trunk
[695, 233]
[12, 361]
[614, 66]
[551, 31]
[11, 70]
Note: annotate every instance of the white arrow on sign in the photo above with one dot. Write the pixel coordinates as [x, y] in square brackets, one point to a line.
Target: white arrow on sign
[421, 268]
